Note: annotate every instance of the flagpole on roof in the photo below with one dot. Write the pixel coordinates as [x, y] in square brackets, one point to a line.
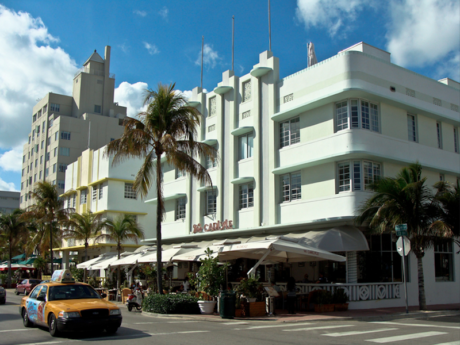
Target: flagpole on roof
[202, 47]
[233, 42]
[269, 29]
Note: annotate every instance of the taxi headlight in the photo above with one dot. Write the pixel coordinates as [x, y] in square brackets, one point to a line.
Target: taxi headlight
[115, 312]
[67, 315]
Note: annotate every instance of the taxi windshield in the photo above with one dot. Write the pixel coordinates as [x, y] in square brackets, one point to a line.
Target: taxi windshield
[71, 292]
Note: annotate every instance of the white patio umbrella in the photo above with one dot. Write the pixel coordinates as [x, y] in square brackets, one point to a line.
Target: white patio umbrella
[88, 263]
[103, 264]
[168, 254]
[342, 239]
[277, 249]
[197, 254]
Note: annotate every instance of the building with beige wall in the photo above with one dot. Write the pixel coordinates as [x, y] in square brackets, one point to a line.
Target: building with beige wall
[64, 126]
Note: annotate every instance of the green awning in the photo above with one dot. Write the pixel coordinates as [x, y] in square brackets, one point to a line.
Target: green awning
[19, 257]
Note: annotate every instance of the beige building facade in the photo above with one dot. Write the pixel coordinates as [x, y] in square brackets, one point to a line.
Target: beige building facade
[64, 126]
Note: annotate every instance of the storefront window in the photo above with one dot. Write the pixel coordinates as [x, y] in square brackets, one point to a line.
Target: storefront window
[335, 272]
[443, 262]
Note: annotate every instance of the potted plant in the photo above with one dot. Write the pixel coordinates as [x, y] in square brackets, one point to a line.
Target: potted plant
[209, 279]
[340, 299]
[238, 307]
[252, 290]
[323, 302]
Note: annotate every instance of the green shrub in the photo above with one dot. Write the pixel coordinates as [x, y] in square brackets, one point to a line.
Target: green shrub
[322, 297]
[171, 304]
[340, 297]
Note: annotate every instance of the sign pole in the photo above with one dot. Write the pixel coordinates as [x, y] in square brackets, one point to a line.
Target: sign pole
[404, 275]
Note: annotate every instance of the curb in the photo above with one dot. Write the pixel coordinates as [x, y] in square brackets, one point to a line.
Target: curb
[414, 315]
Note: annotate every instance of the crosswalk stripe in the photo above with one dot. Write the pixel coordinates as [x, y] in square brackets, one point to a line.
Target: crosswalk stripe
[341, 334]
[16, 330]
[414, 324]
[43, 343]
[314, 328]
[235, 323]
[171, 333]
[182, 321]
[272, 326]
[450, 343]
[405, 337]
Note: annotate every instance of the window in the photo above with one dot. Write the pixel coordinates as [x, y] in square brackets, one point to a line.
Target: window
[439, 134]
[212, 106]
[455, 140]
[47, 156]
[36, 162]
[30, 166]
[363, 114]
[101, 191]
[40, 175]
[291, 187]
[22, 185]
[37, 130]
[56, 136]
[33, 134]
[442, 178]
[180, 208]
[35, 177]
[34, 118]
[45, 108]
[29, 155]
[65, 135]
[112, 139]
[39, 114]
[22, 199]
[83, 195]
[41, 159]
[43, 126]
[47, 172]
[443, 262]
[55, 151]
[246, 90]
[209, 163]
[97, 109]
[94, 193]
[246, 145]
[48, 141]
[74, 200]
[36, 148]
[211, 202]
[29, 139]
[61, 184]
[54, 107]
[54, 182]
[64, 151]
[26, 197]
[24, 158]
[246, 195]
[180, 173]
[356, 174]
[42, 144]
[54, 168]
[129, 191]
[62, 167]
[411, 128]
[23, 172]
[50, 124]
[289, 132]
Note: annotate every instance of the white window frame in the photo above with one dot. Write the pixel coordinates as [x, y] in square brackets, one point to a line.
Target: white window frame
[439, 134]
[357, 175]
[412, 132]
[246, 196]
[181, 208]
[246, 146]
[64, 151]
[83, 196]
[290, 132]
[291, 186]
[61, 183]
[442, 252]
[65, 135]
[130, 193]
[357, 113]
[211, 202]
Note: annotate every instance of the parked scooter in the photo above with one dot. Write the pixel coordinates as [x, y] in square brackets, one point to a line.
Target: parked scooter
[134, 301]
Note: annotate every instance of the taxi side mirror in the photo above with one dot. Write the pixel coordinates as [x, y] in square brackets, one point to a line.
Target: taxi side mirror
[103, 295]
[41, 298]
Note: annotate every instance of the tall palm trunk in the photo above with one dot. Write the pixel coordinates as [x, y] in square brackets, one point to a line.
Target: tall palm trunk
[118, 269]
[421, 282]
[86, 258]
[9, 267]
[159, 218]
[51, 247]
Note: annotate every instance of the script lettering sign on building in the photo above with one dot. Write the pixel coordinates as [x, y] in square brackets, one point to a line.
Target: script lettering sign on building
[226, 224]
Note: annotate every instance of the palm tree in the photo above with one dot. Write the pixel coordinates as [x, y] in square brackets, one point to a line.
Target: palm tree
[82, 227]
[406, 200]
[448, 198]
[48, 211]
[40, 265]
[123, 228]
[12, 228]
[168, 127]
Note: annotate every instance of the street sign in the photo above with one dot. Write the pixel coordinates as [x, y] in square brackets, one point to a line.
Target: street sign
[401, 229]
[399, 246]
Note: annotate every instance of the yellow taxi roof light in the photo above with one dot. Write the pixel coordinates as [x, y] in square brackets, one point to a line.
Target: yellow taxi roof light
[62, 276]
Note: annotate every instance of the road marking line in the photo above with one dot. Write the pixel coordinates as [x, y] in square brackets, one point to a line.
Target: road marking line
[44, 343]
[341, 334]
[170, 333]
[405, 337]
[236, 323]
[414, 324]
[273, 326]
[450, 343]
[314, 328]
[141, 323]
[17, 330]
[181, 321]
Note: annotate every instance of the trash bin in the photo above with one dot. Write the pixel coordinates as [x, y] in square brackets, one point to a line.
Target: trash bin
[227, 304]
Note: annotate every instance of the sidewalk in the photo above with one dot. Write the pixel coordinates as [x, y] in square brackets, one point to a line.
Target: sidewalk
[380, 314]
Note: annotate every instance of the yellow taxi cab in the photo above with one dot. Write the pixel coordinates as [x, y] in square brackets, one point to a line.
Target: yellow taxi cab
[64, 305]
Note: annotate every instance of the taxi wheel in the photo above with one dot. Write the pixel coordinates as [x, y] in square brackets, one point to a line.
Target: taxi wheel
[25, 319]
[52, 322]
[111, 330]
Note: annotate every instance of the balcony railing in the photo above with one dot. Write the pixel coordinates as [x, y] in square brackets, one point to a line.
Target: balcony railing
[355, 292]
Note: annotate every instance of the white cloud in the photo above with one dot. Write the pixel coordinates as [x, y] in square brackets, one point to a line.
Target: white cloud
[30, 68]
[8, 186]
[140, 13]
[131, 96]
[210, 56]
[424, 32]
[164, 13]
[124, 47]
[151, 48]
[12, 160]
[330, 14]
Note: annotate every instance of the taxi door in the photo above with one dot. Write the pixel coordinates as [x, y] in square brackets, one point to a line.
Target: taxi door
[41, 303]
[32, 304]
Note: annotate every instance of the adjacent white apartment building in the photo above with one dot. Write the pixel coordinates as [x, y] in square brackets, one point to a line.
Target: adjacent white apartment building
[64, 126]
[297, 155]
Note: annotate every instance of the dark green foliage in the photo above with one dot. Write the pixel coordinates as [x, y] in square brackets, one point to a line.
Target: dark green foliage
[339, 297]
[171, 304]
[77, 273]
[322, 297]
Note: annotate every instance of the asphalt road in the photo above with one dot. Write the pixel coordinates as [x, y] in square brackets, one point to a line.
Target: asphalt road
[139, 329]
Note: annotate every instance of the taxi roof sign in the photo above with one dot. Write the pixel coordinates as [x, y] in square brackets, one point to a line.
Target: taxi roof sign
[62, 276]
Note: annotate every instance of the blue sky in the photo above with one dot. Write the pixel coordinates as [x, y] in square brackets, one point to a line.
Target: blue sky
[43, 43]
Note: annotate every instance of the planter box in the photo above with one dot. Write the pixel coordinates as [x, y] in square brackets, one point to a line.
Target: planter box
[207, 307]
[238, 312]
[324, 308]
[341, 307]
[257, 309]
